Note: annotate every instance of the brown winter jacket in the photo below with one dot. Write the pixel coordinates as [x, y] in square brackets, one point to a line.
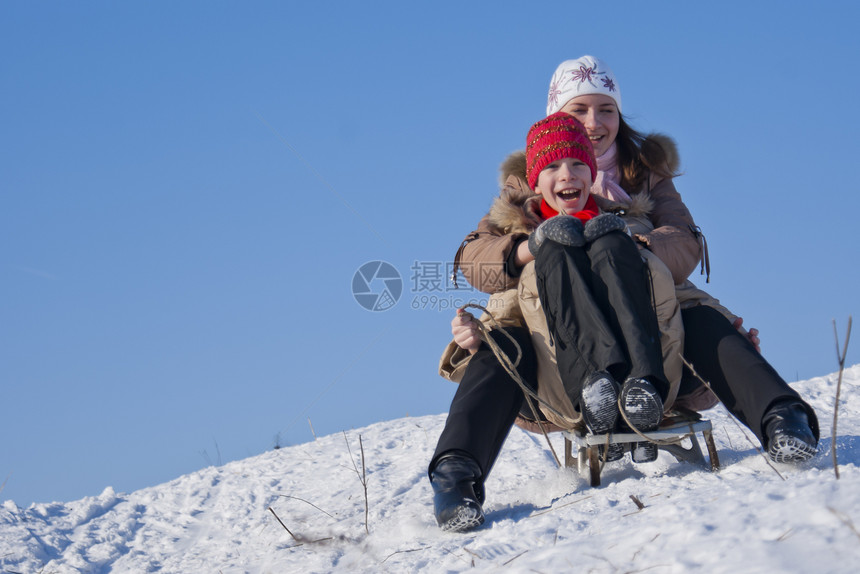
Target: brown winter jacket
[515, 301]
[657, 218]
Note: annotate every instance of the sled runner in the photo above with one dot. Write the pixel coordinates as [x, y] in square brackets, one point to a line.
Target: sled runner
[669, 437]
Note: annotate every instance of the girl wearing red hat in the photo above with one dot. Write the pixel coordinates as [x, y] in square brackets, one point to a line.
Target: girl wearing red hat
[595, 296]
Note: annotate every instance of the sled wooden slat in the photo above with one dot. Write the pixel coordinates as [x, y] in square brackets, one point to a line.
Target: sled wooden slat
[675, 434]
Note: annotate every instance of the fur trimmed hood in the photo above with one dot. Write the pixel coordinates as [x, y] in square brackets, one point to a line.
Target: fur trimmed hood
[517, 208]
[669, 147]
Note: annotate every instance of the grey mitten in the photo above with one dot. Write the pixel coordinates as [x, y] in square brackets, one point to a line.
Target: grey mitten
[603, 224]
[563, 229]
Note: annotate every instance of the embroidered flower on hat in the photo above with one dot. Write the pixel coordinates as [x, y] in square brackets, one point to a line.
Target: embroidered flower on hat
[584, 74]
[554, 93]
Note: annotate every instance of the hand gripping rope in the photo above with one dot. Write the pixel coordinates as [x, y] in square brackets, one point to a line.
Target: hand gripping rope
[511, 368]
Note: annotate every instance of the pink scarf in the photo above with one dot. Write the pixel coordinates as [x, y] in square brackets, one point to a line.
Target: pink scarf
[606, 184]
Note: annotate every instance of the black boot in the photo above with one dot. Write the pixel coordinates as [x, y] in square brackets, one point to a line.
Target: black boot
[600, 402]
[599, 406]
[644, 409]
[458, 493]
[788, 435]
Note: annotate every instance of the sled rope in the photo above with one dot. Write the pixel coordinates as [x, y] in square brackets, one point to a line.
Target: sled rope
[657, 441]
[511, 368]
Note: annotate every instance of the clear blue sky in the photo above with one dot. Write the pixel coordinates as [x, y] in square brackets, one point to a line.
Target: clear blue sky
[189, 188]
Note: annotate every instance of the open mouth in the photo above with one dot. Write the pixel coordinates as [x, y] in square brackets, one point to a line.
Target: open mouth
[569, 194]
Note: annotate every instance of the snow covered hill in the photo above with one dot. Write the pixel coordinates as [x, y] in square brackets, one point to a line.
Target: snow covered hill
[746, 518]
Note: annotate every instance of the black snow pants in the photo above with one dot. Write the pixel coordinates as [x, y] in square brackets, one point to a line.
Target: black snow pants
[740, 377]
[598, 305]
[623, 339]
[487, 401]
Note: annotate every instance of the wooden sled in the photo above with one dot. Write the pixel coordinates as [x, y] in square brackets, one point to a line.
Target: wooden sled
[673, 430]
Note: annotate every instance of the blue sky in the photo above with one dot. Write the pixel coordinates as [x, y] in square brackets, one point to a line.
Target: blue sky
[189, 188]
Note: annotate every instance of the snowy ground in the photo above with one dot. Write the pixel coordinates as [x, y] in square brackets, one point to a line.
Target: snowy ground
[746, 518]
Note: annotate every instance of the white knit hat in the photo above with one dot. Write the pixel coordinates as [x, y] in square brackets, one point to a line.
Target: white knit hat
[585, 75]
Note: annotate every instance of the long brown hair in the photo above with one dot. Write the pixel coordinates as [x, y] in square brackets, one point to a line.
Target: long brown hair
[638, 157]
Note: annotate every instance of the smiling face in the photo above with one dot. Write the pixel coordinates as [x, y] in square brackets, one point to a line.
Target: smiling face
[565, 184]
[599, 114]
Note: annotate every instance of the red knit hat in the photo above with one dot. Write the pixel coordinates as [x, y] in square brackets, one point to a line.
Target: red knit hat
[557, 137]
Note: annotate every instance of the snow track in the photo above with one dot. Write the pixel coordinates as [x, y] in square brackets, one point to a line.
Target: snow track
[745, 518]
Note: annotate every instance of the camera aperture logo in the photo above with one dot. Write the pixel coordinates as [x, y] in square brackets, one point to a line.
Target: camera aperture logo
[377, 286]
[434, 285]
